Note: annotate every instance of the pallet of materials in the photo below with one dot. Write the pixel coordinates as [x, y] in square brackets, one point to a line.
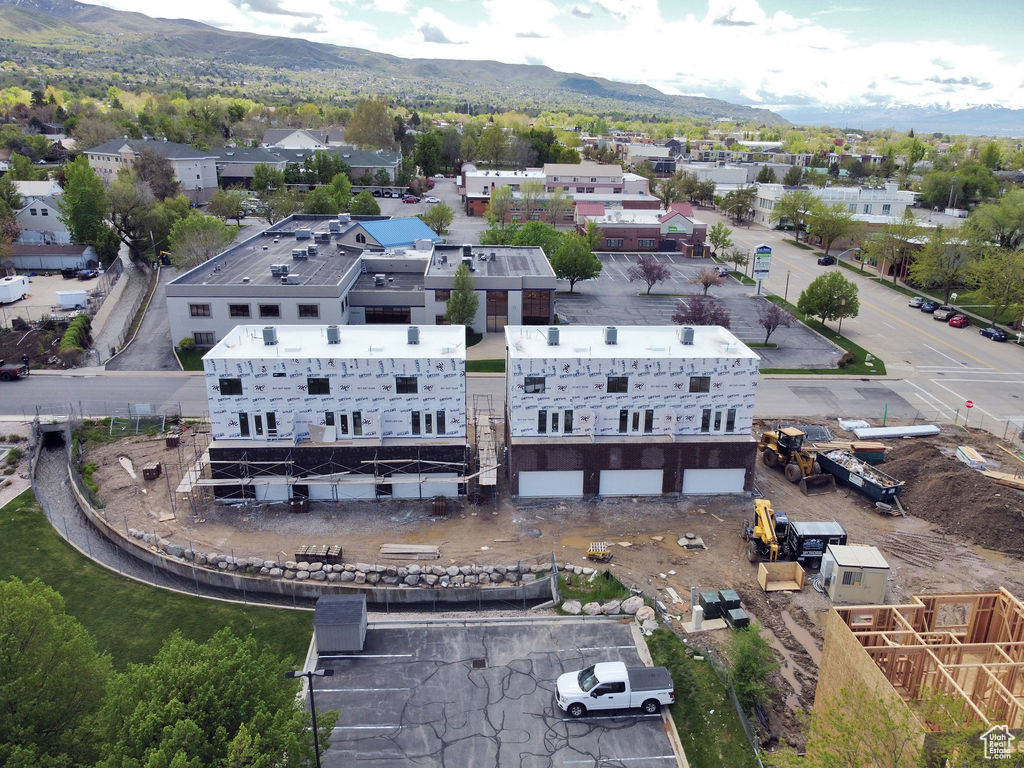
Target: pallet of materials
[409, 552]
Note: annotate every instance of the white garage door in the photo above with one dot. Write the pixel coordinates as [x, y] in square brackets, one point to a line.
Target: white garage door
[713, 480]
[551, 483]
[631, 482]
[428, 489]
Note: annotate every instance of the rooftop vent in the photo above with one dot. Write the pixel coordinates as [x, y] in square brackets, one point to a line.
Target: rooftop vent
[552, 337]
[380, 280]
[303, 233]
[611, 335]
[269, 335]
[246, 279]
[414, 334]
[686, 335]
[333, 334]
[467, 250]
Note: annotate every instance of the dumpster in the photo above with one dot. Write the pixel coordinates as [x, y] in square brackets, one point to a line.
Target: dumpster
[860, 475]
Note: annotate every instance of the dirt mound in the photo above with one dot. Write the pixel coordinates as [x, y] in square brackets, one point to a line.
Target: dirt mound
[956, 498]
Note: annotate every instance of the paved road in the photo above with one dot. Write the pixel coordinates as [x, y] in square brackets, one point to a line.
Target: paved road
[152, 348]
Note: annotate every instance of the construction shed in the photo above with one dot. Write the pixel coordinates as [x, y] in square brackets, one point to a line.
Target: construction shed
[339, 623]
[854, 574]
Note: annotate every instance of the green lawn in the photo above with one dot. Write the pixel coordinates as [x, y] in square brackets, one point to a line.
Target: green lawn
[792, 242]
[861, 365]
[190, 359]
[489, 365]
[131, 620]
[708, 726]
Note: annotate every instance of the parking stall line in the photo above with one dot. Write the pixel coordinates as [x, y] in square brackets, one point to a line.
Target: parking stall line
[602, 760]
[358, 690]
[365, 656]
[368, 727]
[590, 718]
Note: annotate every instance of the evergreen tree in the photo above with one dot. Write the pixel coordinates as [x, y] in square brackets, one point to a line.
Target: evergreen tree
[462, 302]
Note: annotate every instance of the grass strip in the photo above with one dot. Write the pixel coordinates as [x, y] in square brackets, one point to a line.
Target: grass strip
[131, 620]
[489, 365]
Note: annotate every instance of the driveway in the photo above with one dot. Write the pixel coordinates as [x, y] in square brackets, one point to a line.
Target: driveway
[152, 348]
[611, 299]
[480, 693]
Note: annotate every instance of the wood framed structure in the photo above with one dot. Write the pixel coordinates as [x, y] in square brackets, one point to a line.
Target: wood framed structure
[968, 646]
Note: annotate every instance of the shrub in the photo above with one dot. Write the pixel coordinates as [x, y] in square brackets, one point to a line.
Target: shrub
[187, 344]
[14, 456]
[751, 663]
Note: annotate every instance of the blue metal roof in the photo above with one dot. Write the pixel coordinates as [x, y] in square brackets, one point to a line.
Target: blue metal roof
[394, 233]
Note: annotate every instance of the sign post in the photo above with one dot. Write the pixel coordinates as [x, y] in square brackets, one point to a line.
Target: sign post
[762, 264]
[969, 404]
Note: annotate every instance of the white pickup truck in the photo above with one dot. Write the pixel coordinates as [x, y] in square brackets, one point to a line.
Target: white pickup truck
[613, 685]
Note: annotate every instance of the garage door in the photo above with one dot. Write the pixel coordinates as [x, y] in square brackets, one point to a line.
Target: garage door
[428, 489]
[631, 482]
[713, 480]
[551, 483]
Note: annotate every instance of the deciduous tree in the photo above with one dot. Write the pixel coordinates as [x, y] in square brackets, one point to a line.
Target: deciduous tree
[321, 201]
[341, 187]
[649, 270]
[558, 204]
[772, 317]
[700, 310]
[831, 223]
[428, 152]
[266, 178]
[539, 234]
[198, 238]
[998, 277]
[463, 302]
[707, 277]
[371, 126]
[438, 217]
[493, 145]
[720, 237]
[157, 171]
[942, 262]
[530, 193]
[228, 204]
[499, 206]
[574, 261]
[83, 206]
[795, 206]
[830, 297]
[364, 205]
[738, 204]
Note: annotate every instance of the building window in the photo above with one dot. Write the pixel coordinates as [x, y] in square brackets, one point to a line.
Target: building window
[239, 310]
[567, 423]
[415, 422]
[440, 423]
[441, 320]
[270, 310]
[360, 238]
[243, 424]
[318, 386]
[705, 420]
[31, 211]
[623, 421]
[700, 384]
[328, 418]
[613, 242]
[886, 208]
[649, 421]
[442, 295]
[851, 579]
[618, 385]
[199, 310]
[730, 420]
[497, 311]
[867, 207]
[203, 338]
[257, 421]
[428, 422]
[406, 385]
[357, 423]
[645, 242]
[230, 386]
[309, 310]
[44, 211]
[542, 422]
[554, 421]
[534, 385]
[536, 307]
[387, 315]
[342, 423]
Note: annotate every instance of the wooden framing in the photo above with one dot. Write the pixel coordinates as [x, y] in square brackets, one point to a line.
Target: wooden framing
[969, 646]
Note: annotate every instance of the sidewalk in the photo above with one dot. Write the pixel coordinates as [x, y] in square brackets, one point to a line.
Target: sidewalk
[492, 347]
[113, 321]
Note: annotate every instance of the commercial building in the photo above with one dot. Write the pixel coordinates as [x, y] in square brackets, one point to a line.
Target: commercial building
[334, 412]
[638, 410]
[194, 169]
[645, 230]
[865, 203]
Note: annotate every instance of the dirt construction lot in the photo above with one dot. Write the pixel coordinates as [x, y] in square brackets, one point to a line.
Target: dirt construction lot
[940, 546]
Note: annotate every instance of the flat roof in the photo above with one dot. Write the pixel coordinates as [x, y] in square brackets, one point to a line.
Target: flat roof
[528, 173]
[857, 555]
[245, 342]
[647, 216]
[499, 261]
[393, 281]
[252, 258]
[647, 341]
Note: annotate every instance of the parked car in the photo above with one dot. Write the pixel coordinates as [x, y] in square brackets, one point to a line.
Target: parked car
[826, 261]
[723, 270]
[996, 334]
[410, 199]
[930, 306]
[431, 200]
[915, 302]
[87, 274]
[959, 321]
[613, 685]
[377, 193]
[944, 313]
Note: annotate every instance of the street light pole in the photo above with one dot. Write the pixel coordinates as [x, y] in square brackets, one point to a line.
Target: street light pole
[842, 303]
[312, 702]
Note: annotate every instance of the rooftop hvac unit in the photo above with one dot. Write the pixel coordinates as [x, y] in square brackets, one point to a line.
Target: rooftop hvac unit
[290, 279]
[467, 250]
[686, 335]
[552, 337]
[334, 226]
[344, 218]
[278, 269]
[414, 334]
[269, 335]
[380, 280]
[611, 335]
[333, 334]
[303, 233]
[312, 250]
[299, 253]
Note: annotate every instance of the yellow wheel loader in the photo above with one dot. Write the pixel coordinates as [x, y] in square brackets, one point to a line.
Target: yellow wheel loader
[784, 449]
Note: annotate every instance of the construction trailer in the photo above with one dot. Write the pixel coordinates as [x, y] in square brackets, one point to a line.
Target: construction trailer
[855, 574]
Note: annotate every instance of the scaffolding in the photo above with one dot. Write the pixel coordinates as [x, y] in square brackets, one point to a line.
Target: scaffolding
[485, 442]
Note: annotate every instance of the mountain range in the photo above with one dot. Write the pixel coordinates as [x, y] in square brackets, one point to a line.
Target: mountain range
[982, 120]
[66, 33]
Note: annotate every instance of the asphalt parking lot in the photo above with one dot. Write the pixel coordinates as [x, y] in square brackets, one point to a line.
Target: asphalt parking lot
[611, 299]
[481, 694]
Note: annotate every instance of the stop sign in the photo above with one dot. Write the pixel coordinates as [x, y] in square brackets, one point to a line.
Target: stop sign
[969, 403]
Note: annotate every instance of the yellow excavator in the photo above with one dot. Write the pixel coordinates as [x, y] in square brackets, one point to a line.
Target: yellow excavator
[784, 449]
[763, 537]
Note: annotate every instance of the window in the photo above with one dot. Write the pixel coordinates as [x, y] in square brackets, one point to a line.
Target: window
[32, 211]
[700, 384]
[618, 385]
[387, 315]
[730, 420]
[279, 374]
[270, 310]
[623, 421]
[867, 207]
[442, 295]
[231, 386]
[649, 420]
[199, 310]
[342, 424]
[309, 310]
[239, 310]
[542, 422]
[851, 579]
[441, 320]
[406, 385]
[567, 423]
[415, 422]
[645, 242]
[44, 211]
[258, 423]
[580, 189]
[536, 307]
[357, 423]
[497, 311]
[534, 385]
[243, 424]
[613, 242]
[318, 386]
[428, 422]
[636, 421]
[886, 208]
[440, 423]
[203, 338]
[360, 238]
[328, 418]
[554, 421]
[705, 420]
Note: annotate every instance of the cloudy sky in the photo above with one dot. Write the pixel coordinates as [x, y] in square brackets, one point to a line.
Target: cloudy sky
[771, 53]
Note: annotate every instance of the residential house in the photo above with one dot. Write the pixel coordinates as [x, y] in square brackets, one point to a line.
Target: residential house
[303, 138]
[40, 222]
[638, 410]
[55, 256]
